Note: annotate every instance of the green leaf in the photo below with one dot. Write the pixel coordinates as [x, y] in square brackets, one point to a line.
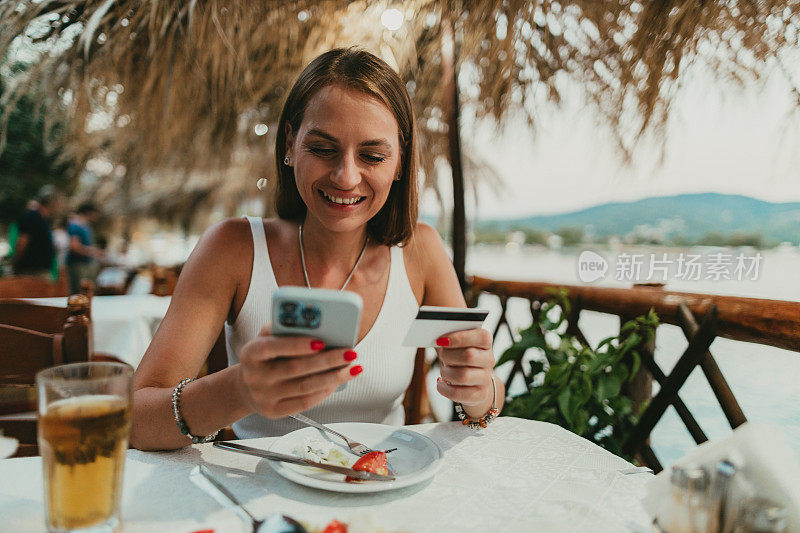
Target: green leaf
[608, 386]
[630, 342]
[586, 388]
[604, 342]
[581, 422]
[621, 405]
[554, 374]
[563, 404]
[563, 300]
[598, 364]
[620, 372]
[532, 338]
[512, 353]
[555, 356]
[576, 401]
[636, 363]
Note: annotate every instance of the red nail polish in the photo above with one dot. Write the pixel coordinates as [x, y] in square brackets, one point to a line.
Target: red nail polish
[317, 345]
[438, 380]
[356, 370]
[442, 341]
[350, 355]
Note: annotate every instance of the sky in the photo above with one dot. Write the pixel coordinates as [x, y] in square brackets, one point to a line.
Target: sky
[720, 138]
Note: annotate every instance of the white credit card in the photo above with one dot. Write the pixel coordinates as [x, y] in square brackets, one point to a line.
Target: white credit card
[434, 322]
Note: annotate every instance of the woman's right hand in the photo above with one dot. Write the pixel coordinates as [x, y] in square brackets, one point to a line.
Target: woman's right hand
[281, 376]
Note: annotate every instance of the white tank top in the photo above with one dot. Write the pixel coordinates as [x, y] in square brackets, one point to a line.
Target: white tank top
[376, 395]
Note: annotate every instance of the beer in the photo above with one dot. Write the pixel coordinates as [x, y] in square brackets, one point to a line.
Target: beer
[83, 441]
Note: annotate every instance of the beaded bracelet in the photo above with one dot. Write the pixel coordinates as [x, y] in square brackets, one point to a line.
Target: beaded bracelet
[479, 423]
[176, 410]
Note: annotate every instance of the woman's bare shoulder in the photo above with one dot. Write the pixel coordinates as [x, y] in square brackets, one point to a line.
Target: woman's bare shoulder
[228, 237]
[429, 266]
[425, 243]
[279, 230]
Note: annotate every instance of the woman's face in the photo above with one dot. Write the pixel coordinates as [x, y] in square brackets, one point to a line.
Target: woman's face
[345, 156]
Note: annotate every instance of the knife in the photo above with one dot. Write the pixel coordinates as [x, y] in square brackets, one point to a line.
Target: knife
[274, 456]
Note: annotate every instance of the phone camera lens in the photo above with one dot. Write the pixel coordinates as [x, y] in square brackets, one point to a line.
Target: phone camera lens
[287, 319]
[288, 307]
[309, 313]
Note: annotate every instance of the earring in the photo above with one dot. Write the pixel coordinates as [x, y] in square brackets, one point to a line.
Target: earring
[287, 161]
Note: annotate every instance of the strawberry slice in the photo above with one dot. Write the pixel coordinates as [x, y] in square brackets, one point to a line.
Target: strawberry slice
[372, 462]
[335, 527]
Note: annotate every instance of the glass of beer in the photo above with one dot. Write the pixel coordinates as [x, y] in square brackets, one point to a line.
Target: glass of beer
[84, 424]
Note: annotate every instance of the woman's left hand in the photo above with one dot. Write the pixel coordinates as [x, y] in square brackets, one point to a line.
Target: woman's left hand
[467, 362]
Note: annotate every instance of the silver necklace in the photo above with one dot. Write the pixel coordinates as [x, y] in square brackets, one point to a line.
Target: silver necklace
[303, 260]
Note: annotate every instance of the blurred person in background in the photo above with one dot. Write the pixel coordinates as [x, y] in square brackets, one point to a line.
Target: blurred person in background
[33, 251]
[83, 256]
[61, 239]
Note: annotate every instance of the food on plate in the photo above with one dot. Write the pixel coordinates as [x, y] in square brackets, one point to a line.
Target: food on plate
[372, 462]
[335, 527]
[321, 451]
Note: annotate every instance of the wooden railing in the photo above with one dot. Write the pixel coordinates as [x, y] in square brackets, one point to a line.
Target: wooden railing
[768, 322]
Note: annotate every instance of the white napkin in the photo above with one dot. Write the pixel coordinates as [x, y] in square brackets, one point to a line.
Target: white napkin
[763, 458]
[7, 446]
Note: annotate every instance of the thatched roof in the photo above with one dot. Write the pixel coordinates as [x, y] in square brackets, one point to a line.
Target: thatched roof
[176, 87]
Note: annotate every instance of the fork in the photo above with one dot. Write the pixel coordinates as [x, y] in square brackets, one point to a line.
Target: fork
[355, 447]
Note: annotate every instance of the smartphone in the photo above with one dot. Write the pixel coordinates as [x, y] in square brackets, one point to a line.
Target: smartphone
[330, 316]
[433, 322]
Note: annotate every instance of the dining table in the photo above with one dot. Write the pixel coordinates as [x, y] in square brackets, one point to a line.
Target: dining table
[122, 325]
[514, 476]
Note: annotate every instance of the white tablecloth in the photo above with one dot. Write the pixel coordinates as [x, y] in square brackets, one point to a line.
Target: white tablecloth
[123, 325]
[516, 476]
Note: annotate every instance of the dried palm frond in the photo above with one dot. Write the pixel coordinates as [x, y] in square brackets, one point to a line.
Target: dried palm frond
[172, 88]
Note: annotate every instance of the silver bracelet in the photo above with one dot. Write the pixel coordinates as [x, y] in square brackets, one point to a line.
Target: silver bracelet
[176, 410]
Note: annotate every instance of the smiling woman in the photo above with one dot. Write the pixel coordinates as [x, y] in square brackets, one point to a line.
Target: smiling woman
[343, 176]
[347, 208]
[338, 93]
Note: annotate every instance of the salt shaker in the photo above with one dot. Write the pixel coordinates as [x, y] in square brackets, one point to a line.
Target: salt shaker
[691, 506]
[720, 495]
[700, 506]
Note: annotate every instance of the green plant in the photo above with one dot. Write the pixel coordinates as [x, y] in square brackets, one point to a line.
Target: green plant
[573, 385]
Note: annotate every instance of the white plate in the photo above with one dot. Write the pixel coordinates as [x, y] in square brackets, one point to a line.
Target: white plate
[416, 459]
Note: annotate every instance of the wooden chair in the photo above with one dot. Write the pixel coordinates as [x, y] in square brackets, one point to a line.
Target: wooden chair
[28, 314]
[416, 403]
[23, 352]
[31, 314]
[30, 287]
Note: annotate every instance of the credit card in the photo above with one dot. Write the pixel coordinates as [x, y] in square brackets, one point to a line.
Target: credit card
[433, 322]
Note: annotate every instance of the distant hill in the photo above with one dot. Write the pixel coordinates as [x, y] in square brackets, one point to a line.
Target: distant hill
[689, 215]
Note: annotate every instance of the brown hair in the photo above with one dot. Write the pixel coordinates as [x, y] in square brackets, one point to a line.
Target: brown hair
[360, 70]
